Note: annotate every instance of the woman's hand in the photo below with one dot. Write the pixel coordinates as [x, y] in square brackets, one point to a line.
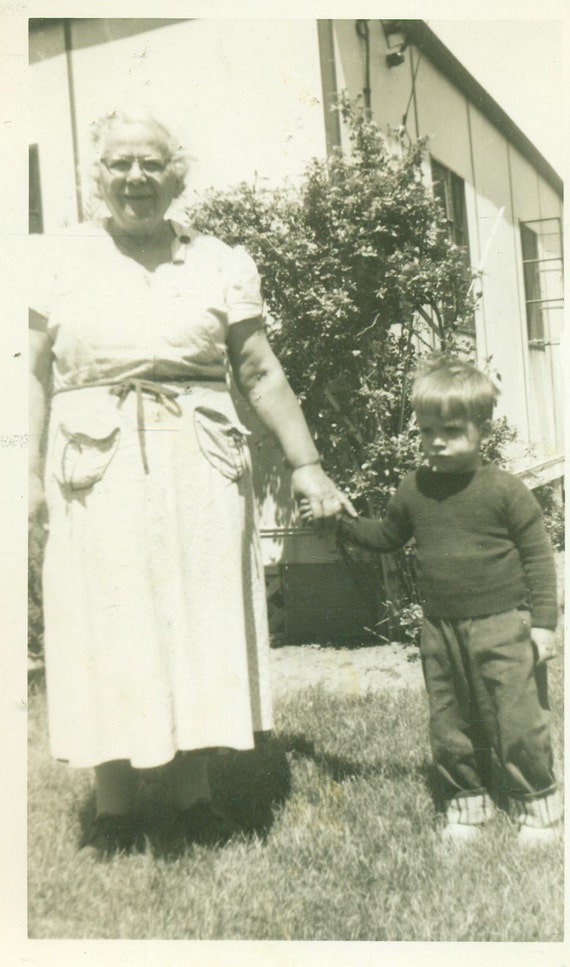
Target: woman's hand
[318, 497]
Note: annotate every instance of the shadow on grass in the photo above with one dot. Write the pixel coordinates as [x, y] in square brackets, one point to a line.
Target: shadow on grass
[249, 785]
[246, 788]
[339, 768]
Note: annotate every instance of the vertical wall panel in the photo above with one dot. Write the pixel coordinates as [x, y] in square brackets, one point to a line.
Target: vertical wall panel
[50, 125]
[244, 95]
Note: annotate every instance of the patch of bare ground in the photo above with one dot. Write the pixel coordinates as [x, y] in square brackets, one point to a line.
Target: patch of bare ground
[348, 671]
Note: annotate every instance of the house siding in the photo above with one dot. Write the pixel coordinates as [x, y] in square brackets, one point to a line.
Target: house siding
[502, 188]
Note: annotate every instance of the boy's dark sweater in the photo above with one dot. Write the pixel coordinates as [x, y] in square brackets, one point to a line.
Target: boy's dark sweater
[481, 546]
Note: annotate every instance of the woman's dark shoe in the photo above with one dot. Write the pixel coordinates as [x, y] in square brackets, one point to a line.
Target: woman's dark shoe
[110, 834]
[204, 826]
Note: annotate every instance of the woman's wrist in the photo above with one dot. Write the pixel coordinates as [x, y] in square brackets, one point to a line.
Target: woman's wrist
[316, 462]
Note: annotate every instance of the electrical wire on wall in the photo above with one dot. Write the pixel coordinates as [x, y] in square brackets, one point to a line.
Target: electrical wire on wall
[412, 99]
[397, 41]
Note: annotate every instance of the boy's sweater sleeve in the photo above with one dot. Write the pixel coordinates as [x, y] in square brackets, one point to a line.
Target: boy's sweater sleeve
[529, 535]
[385, 535]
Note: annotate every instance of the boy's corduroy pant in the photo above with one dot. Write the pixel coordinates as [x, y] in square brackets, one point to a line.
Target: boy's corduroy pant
[487, 695]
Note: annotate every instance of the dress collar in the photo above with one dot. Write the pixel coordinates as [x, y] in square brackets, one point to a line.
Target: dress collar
[184, 235]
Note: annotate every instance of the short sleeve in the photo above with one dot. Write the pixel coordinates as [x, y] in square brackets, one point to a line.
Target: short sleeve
[242, 286]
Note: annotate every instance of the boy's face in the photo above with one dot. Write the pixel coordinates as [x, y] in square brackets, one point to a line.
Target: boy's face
[451, 444]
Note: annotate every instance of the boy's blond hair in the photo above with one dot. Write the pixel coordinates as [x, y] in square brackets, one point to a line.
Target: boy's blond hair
[448, 388]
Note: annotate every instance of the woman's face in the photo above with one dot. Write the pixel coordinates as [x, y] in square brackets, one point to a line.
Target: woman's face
[136, 178]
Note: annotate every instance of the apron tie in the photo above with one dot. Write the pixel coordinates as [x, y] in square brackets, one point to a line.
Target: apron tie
[121, 388]
[162, 394]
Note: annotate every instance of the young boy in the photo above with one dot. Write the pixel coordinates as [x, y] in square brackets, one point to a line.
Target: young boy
[488, 590]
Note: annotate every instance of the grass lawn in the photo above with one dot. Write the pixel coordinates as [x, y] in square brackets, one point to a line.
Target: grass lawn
[341, 843]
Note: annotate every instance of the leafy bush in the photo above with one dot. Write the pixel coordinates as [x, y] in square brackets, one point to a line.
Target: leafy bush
[552, 503]
[358, 272]
[360, 278]
[495, 447]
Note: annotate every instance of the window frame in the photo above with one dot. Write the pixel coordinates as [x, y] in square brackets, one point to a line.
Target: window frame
[531, 282]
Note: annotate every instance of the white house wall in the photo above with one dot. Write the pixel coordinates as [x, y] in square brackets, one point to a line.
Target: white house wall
[503, 312]
[442, 113]
[50, 127]
[245, 96]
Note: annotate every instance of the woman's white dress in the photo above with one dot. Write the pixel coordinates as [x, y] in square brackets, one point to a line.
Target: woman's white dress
[154, 600]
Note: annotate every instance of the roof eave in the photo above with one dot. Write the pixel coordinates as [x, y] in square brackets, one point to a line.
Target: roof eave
[422, 36]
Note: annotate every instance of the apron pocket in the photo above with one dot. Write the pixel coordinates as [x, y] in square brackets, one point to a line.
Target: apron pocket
[222, 441]
[81, 460]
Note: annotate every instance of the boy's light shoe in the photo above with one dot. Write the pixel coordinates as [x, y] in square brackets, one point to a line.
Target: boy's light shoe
[460, 833]
[531, 836]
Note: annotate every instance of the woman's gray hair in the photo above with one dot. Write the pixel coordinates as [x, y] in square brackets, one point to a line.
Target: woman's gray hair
[129, 114]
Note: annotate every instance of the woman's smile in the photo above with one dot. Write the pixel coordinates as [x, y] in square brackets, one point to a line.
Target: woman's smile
[136, 178]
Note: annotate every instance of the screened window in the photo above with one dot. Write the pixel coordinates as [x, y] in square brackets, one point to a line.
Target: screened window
[35, 217]
[541, 244]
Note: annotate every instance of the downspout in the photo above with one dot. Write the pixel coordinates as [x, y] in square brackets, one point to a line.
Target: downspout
[363, 31]
[73, 116]
[325, 36]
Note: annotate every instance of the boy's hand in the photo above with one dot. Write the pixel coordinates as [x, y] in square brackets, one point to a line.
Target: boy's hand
[545, 643]
[304, 508]
[318, 498]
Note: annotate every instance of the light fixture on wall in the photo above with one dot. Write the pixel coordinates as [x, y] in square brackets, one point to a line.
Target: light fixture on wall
[396, 57]
[396, 40]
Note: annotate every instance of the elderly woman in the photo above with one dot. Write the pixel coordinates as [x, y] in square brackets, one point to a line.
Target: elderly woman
[156, 639]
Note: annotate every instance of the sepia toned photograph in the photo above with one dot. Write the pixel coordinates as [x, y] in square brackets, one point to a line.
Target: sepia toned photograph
[296, 480]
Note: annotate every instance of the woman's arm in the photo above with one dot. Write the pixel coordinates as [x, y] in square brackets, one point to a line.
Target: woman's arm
[260, 378]
[40, 371]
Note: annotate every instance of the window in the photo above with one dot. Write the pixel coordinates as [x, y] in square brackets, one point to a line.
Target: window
[541, 244]
[35, 217]
[449, 190]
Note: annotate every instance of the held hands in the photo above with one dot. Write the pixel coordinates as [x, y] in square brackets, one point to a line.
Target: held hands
[317, 496]
[545, 643]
